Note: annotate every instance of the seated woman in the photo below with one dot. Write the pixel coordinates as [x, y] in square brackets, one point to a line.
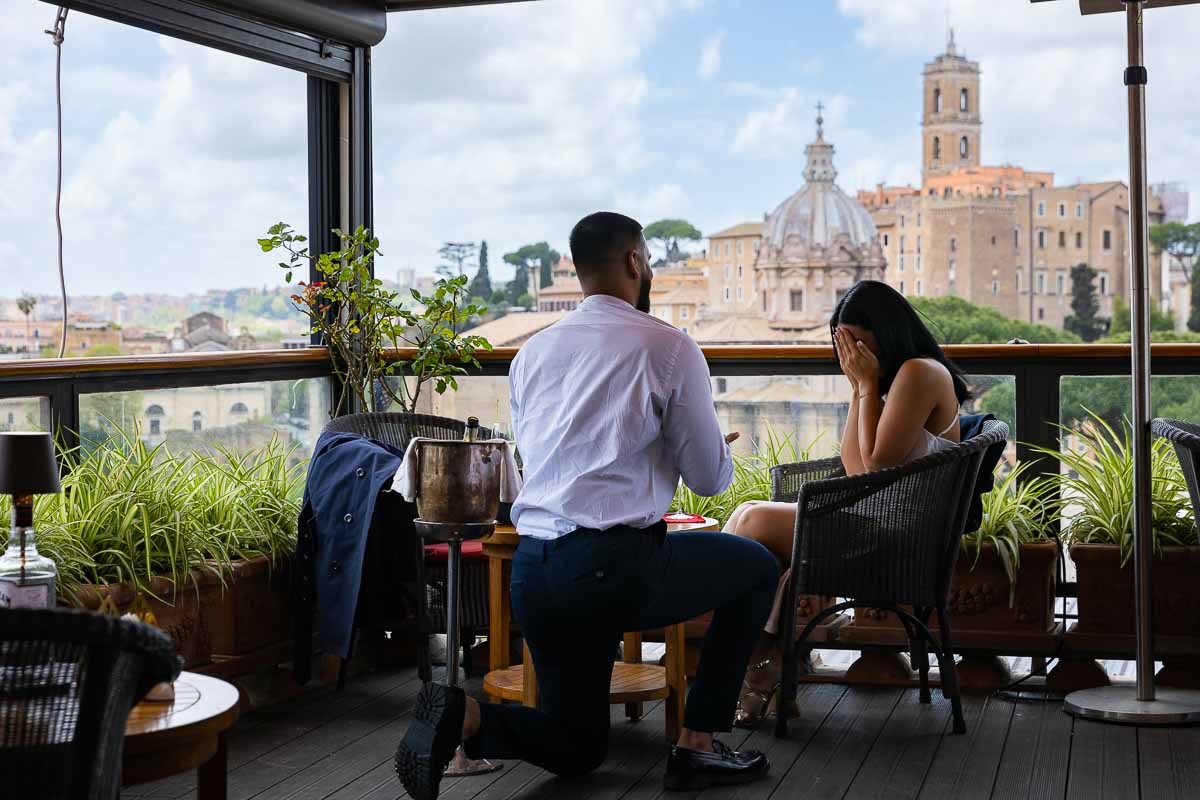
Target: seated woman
[904, 405]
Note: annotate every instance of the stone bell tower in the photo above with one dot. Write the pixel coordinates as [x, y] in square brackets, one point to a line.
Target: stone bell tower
[951, 123]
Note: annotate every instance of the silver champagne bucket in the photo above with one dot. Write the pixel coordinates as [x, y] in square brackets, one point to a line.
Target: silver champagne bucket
[460, 481]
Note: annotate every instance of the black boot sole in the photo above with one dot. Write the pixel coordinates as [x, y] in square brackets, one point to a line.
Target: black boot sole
[430, 741]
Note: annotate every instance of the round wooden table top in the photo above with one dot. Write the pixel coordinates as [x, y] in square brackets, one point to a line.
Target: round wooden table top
[166, 738]
[507, 536]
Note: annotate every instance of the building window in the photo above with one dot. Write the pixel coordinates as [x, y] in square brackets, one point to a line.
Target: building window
[918, 242]
[764, 298]
[946, 193]
[740, 247]
[1062, 210]
[937, 101]
[722, 385]
[918, 263]
[1041, 240]
[1041, 313]
[796, 297]
[239, 408]
[1062, 283]
[727, 295]
[901, 225]
[1103, 283]
[901, 243]
[740, 295]
[920, 289]
[1041, 283]
[885, 240]
[727, 271]
[993, 241]
[684, 329]
[1016, 238]
[937, 148]
[900, 264]
[1078, 239]
[901, 287]
[155, 426]
[919, 223]
[683, 312]
[1107, 239]
[727, 248]
[1041, 209]
[951, 269]
[739, 271]
[1018, 281]
[197, 421]
[1062, 238]
[964, 147]
[954, 244]
[995, 287]
[1079, 211]
[963, 101]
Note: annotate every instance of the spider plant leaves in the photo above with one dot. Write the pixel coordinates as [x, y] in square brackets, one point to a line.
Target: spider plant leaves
[130, 513]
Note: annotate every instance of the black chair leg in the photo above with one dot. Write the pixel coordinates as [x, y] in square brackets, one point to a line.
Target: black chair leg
[789, 683]
[920, 655]
[949, 671]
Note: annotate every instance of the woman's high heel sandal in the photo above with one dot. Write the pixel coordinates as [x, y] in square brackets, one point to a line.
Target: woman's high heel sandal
[754, 705]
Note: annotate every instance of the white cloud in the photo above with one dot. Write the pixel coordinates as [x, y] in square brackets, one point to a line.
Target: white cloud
[787, 123]
[1052, 95]
[710, 56]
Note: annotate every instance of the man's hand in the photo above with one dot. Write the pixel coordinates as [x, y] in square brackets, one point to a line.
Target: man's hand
[732, 437]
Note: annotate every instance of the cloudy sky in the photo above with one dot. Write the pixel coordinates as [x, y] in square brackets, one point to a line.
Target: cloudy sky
[507, 123]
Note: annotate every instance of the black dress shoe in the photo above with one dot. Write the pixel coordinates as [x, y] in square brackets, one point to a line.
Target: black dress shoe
[695, 769]
[431, 739]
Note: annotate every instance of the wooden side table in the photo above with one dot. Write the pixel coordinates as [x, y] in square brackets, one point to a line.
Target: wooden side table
[164, 739]
[633, 682]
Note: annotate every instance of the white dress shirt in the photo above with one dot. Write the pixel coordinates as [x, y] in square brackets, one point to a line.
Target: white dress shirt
[610, 407]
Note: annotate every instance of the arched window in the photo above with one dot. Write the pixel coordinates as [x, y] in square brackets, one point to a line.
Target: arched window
[964, 148]
[197, 421]
[239, 408]
[946, 192]
[154, 410]
[937, 148]
[963, 104]
[937, 101]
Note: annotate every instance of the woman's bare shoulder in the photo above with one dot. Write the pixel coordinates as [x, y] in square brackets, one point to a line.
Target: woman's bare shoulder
[924, 370]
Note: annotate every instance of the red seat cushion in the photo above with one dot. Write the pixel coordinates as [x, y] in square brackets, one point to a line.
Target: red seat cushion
[440, 553]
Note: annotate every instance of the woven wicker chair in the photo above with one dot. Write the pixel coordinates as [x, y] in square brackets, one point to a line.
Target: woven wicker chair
[398, 430]
[882, 540]
[1186, 438]
[67, 682]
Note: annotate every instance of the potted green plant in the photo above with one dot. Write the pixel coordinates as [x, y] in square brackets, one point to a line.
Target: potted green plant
[1098, 507]
[363, 324]
[124, 537]
[1005, 578]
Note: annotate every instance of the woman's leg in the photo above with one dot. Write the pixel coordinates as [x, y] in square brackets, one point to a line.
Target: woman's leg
[773, 525]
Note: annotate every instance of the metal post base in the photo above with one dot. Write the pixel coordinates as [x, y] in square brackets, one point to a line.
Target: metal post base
[1120, 704]
[463, 767]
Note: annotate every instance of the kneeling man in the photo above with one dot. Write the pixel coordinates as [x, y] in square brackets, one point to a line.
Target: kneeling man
[610, 407]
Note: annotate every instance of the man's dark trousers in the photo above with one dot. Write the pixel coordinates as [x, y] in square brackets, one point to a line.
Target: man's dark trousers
[575, 598]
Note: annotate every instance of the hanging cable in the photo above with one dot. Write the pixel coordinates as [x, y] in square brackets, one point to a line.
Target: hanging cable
[57, 35]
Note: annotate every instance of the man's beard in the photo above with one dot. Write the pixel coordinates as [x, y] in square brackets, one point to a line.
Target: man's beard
[643, 303]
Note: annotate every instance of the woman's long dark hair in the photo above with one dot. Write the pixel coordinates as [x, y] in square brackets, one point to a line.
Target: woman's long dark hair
[898, 330]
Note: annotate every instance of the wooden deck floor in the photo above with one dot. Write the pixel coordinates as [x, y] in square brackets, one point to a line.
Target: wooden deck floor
[850, 743]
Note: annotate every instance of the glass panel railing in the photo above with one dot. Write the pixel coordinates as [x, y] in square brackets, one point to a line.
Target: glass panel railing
[240, 417]
[24, 414]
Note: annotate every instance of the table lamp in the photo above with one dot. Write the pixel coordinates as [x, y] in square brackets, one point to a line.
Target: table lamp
[27, 467]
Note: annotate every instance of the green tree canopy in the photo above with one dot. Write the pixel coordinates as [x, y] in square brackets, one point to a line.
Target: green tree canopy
[540, 255]
[1118, 330]
[455, 255]
[1085, 318]
[953, 320]
[1182, 242]
[668, 233]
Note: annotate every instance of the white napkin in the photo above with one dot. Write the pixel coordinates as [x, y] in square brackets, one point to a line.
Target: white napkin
[408, 477]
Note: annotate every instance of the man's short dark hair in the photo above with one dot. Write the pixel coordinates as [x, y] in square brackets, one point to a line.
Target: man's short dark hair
[598, 239]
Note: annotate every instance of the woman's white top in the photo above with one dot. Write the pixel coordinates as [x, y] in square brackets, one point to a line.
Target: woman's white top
[929, 443]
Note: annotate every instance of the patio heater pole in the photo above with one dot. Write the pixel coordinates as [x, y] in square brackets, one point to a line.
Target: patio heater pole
[1113, 703]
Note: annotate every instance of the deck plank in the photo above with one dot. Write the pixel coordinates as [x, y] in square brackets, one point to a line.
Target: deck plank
[965, 765]
[901, 756]
[1104, 762]
[1036, 753]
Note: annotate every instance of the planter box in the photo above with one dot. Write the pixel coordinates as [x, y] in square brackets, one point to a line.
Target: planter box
[253, 610]
[807, 607]
[185, 618]
[979, 597]
[1106, 594]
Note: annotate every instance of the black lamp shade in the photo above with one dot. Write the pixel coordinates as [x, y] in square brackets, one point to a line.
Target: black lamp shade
[27, 464]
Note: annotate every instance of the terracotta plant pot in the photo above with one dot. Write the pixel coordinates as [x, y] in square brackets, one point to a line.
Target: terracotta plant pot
[253, 610]
[1106, 599]
[980, 592]
[183, 615]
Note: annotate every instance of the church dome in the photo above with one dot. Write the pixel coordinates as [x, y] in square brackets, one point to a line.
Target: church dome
[817, 216]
